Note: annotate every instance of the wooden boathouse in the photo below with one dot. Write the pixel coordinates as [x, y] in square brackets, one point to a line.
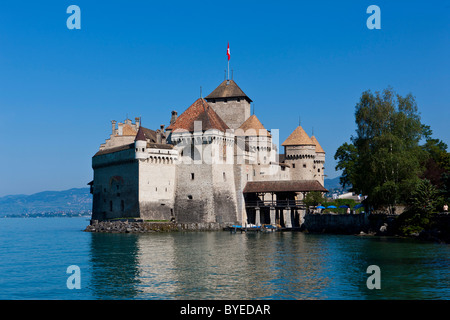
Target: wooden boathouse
[278, 203]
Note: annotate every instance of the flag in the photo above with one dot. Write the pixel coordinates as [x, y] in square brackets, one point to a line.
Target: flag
[228, 51]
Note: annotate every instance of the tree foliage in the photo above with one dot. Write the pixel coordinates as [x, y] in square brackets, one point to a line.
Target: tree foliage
[385, 160]
[313, 198]
[422, 203]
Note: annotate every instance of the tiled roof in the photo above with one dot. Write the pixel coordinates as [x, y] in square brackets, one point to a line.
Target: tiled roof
[198, 111]
[228, 89]
[145, 134]
[115, 149]
[159, 146]
[253, 123]
[127, 130]
[319, 149]
[284, 186]
[298, 138]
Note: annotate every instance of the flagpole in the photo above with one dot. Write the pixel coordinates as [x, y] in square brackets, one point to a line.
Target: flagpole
[228, 55]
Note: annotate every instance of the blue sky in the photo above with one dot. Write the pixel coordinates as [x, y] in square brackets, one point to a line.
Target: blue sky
[60, 88]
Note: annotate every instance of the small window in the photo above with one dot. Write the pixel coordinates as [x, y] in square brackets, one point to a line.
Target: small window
[192, 176]
[293, 165]
[304, 165]
[224, 177]
[318, 170]
[189, 197]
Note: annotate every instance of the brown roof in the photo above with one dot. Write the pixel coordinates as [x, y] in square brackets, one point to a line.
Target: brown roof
[145, 134]
[159, 146]
[227, 89]
[284, 186]
[298, 138]
[319, 149]
[127, 130]
[198, 111]
[115, 149]
[255, 126]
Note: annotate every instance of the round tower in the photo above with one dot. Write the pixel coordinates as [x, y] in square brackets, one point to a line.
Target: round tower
[319, 162]
[140, 145]
[300, 153]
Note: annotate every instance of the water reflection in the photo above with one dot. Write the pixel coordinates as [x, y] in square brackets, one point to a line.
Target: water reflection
[114, 260]
[220, 265]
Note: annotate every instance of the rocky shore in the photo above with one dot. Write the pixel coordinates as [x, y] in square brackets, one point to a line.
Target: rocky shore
[141, 226]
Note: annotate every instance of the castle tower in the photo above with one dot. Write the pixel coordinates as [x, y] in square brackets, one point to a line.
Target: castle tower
[205, 191]
[230, 103]
[300, 152]
[319, 162]
[258, 139]
[140, 144]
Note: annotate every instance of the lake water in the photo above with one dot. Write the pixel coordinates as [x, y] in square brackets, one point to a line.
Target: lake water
[35, 255]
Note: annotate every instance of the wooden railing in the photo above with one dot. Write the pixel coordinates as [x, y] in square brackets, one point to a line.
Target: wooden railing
[275, 203]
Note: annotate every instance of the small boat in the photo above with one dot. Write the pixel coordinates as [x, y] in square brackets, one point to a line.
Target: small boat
[235, 228]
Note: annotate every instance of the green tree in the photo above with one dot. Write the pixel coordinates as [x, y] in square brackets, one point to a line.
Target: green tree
[384, 158]
[313, 198]
[422, 205]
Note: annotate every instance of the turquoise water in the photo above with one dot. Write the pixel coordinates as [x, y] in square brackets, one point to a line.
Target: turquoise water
[35, 255]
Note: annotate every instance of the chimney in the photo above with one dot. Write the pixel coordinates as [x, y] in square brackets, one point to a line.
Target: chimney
[138, 122]
[174, 117]
[113, 123]
[158, 137]
[162, 128]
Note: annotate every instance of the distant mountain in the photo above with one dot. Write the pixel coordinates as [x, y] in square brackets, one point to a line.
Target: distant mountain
[68, 201]
[333, 185]
[74, 201]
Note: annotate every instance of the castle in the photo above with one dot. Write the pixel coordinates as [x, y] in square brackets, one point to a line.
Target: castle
[213, 164]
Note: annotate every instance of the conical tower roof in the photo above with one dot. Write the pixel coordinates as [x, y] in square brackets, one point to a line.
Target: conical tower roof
[319, 148]
[253, 123]
[228, 89]
[145, 134]
[298, 138]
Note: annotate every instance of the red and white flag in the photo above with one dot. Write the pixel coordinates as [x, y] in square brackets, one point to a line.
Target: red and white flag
[228, 51]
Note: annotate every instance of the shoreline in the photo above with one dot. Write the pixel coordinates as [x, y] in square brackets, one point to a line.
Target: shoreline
[140, 226]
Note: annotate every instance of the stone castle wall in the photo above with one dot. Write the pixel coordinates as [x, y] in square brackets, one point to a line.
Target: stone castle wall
[233, 112]
[115, 191]
[156, 190]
